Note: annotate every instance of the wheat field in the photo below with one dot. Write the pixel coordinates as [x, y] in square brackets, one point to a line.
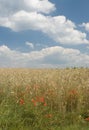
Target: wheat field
[44, 99]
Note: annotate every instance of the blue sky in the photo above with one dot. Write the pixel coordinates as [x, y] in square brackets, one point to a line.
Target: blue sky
[44, 33]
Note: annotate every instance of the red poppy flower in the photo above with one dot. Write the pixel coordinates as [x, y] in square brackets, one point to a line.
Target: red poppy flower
[21, 102]
[40, 99]
[45, 104]
[48, 116]
[87, 119]
[73, 92]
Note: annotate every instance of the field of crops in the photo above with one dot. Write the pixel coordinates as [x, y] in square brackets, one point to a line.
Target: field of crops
[44, 99]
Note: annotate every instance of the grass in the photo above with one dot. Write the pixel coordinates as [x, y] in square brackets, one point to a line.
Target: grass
[71, 127]
[44, 99]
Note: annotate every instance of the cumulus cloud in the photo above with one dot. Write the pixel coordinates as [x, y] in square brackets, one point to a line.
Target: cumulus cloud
[86, 26]
[9, 7]
[59, 28]
[49, 57]
[29, 15]
[40, 5]
[23, 20]
[12, 10]
[65, 31]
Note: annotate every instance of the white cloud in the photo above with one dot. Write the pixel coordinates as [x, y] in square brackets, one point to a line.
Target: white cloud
[59, 28]
[40, 5]
[23, 21]
[86, 26]
[49, 57]
[27, 15]
[31, 45]
[9, 7]
[65, 31]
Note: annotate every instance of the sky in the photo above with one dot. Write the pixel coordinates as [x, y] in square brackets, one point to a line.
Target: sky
[44, 33]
